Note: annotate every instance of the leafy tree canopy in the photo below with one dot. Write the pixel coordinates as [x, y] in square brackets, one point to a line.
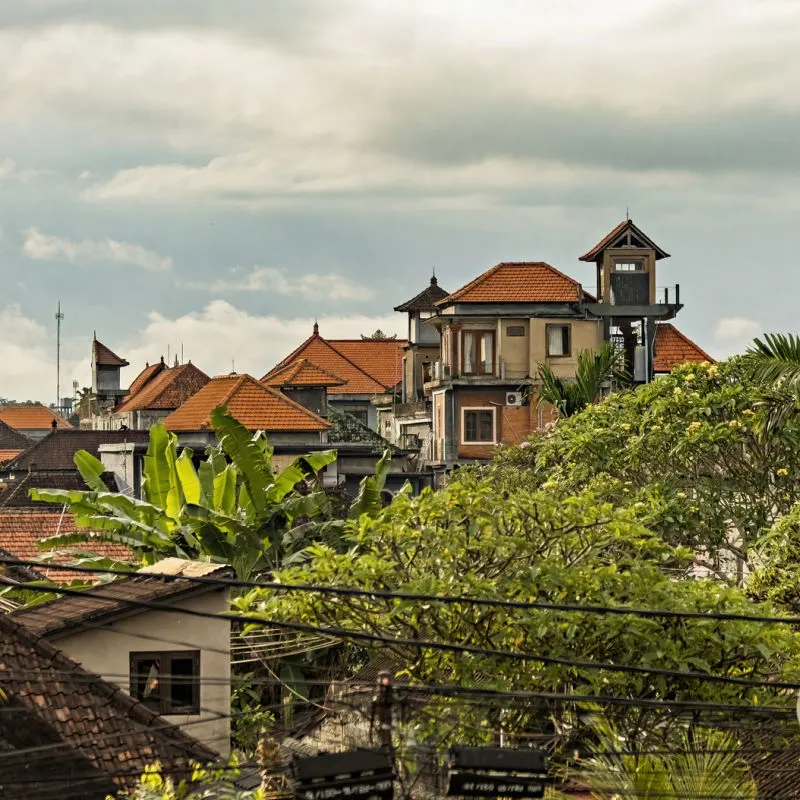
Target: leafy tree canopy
[686, 453]
[476, 538]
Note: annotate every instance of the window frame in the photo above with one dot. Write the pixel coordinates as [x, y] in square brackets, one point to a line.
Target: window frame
[467, 409]
[166, 705]
[479, 332]
[638, 262]
[547, 329]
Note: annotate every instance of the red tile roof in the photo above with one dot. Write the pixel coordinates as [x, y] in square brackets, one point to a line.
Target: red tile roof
[144, 377]
[518, 282]
[256, 406]
[370, 366]
[8, 455]
[30, 417]
[640, 239]
[168, 390]
[673, 348]
[22, 529]
[380, 358]
[106, 357]
[303, 373]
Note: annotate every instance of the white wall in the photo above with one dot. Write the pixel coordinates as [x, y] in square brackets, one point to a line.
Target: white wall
[108, 654]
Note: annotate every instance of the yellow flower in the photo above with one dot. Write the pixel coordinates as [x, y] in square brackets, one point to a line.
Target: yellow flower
[713, 370]
[626, 426]
[677, 390]
[682, 495]
[783, 472]
[689, 377]
[694, 427]
[749, 412]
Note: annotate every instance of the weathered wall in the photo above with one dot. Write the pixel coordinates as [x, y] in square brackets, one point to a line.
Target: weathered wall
[108, 653]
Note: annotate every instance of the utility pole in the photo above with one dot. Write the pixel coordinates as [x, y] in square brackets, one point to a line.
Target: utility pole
[59, 317]
[384, 706]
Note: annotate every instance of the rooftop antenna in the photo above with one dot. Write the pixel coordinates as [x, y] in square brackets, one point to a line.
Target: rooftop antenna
[167, 353]
[181, 352]
[627, 214]
[59, 317]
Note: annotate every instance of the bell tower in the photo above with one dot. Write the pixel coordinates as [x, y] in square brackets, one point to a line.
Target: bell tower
[629, 299]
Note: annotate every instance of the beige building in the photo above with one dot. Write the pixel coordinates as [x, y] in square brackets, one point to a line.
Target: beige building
[176, 664]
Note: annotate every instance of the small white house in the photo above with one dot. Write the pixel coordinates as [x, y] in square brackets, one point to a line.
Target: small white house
[175, 663]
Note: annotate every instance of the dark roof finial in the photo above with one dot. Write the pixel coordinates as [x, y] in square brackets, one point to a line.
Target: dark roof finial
[316, 328]
[434, 282]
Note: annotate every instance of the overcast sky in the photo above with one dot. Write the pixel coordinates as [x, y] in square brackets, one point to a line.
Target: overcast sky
[214, 175]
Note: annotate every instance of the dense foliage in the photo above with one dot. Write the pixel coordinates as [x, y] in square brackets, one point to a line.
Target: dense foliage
[477, 538]
[686, 454]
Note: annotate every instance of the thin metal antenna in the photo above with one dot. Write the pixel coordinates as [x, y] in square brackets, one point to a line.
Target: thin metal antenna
[59, 317]
[167, 354]
[627, 214]
[181, 352]
[233, 368]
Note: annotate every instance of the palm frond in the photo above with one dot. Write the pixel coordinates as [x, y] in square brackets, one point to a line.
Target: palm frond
[775, 360]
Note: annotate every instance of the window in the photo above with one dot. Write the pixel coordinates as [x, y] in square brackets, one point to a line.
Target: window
[477, 426]
[478, 352]
[515, 330]
[634, 265]
[558, 340]
[168, 683]
[361, 414]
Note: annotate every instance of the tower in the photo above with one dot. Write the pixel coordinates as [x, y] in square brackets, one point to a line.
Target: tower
[629, 300]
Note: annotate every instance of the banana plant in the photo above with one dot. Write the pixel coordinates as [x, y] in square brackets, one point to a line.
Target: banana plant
[233, 508]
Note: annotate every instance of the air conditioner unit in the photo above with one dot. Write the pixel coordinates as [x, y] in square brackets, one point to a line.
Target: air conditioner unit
[515, 398]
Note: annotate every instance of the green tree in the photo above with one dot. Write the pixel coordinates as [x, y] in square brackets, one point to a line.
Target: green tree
[234, 508]
[706, 765]
[205, 784]
[593, 370]
[686, 454]
[478, 540]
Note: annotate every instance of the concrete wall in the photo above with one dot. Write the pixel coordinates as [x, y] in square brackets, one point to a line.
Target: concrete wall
[413, 370]
[108, 654]
[584, 335]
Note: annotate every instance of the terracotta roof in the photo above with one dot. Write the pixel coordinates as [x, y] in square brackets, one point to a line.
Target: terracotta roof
[69, 612]
[380, 358]
[624, 234]
[144, 377]
[303, 373]
[323, 353]
[98, 739]
[57, 449]
[105, 357]
[426, 299]
[30, 417]
[166, 391]
[8, 455]
[256, 406]
[11, 439]
[673, 348]
[518, 282]
[22, 529]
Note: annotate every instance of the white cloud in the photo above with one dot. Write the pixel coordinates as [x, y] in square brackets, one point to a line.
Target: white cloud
[221, 333]
[734, 334]
[270, 280]
[41, 247]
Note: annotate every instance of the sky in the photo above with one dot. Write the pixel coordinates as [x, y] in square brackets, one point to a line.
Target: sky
[209, 178]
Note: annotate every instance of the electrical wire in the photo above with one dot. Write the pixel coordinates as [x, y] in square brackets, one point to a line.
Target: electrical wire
[426, 598]
[428, 644]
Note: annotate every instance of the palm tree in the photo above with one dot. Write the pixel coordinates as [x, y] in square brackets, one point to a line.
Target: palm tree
[593, 370]
[775, 363]
[705, 764]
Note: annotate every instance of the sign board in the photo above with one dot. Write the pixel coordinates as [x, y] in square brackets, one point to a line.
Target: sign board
[359, 774]
[369, 787]
[477, 784]
[499, 759]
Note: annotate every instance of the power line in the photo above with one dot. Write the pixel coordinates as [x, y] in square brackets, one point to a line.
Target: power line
[426, 598]
[426, 644]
